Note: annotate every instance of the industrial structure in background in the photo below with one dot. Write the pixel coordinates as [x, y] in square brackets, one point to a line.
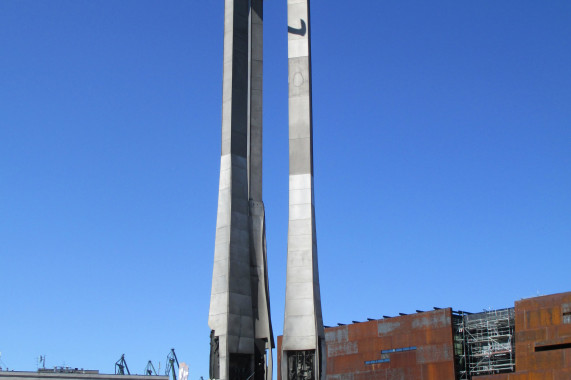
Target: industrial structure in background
[66, 373]
[239, 318]
[121, 367]
[487, 342]
[150, 369]
[531, 341]
[170, 363]
[121, 371]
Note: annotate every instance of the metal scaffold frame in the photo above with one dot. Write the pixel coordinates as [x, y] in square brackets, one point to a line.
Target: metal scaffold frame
[488, 343]
[460, 362]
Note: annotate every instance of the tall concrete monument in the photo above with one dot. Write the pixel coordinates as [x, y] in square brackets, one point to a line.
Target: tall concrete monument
[303, 355]
[239, 318]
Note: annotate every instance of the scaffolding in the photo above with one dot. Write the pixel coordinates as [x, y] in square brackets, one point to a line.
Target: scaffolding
[488, 343]
[460, 362]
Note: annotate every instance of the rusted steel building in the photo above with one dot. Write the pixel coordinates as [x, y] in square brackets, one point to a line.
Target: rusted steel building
[542, 339]
[416, 346]
[529, 342]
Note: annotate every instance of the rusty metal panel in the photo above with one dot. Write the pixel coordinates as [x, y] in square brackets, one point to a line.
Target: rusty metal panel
[533, 319]
[434, 353]
[563, 331]
[431, 321]
[503, 376]
[370, 345]
[519, 318]
[402, 359]
[530, 335]
[514, 376]
[378, 375]
[522, 351]
[543, 324]
[540, 320]
[343, 376]
[347, 363]
[403, 340]
[406, 337]
[564, 374]
[546, 360]
[550, 316]
[541, 375]
[386, 327]
[365, 330]
[337, 334]
[442, 335]
[401, 374]
[438, 371]
[339, 349]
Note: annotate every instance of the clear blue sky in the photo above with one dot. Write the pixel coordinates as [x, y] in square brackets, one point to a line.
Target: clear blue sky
[442, 166]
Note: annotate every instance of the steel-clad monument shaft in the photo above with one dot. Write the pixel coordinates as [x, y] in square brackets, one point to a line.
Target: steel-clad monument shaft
[239, 317]
[303, 355]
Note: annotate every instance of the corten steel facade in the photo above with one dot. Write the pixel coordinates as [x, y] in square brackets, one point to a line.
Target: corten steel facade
[427, 345]
[417, 346]
[542, 339]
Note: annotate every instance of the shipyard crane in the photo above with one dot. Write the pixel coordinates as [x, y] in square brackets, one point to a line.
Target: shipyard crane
[150, 369]
[121, 366]
[171, 360]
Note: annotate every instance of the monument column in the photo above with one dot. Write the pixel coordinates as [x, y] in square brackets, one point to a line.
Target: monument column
[303, 353]
[239, 317]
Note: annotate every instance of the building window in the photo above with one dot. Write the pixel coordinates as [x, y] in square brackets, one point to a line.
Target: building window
[566, 311]
[552, 347]
[377, 361]
[412, 348]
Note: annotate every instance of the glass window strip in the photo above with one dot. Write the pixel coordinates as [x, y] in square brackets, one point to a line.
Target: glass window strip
[402, 349]
[377, 361]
